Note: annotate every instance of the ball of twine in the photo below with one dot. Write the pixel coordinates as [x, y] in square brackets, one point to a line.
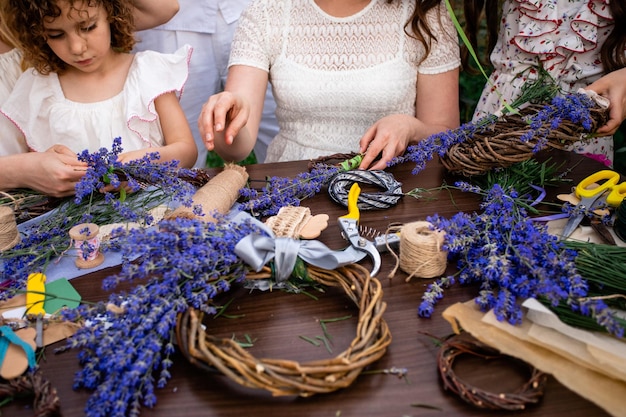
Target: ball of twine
[421, 254]
[9, 235]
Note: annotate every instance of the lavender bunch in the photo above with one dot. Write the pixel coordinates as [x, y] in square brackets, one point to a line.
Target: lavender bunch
[512, 258]
[440, 143]
[280, 191]
[126, 345]
[48, 238]
[105, 169]
[572, 107]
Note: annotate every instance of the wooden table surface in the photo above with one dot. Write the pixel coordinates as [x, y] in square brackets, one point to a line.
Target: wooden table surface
[276, 320]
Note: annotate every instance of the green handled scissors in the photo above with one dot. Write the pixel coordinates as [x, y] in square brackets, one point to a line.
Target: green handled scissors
[589, 196]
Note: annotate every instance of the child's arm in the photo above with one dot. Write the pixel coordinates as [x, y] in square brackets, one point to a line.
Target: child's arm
[179, 142]
[151, 13]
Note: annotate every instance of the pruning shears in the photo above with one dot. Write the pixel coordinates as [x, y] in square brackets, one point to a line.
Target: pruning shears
[609, 191]
[349, 225]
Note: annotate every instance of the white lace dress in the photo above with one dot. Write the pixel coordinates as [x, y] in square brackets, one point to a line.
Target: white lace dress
[562, 36]
[332, 77]
[10, 71]
[45, 117]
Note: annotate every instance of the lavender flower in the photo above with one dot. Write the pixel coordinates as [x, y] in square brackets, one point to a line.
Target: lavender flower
[280, 192]
[105, 169]
[573, 107]
[510, 256]
[49, 238]
[184, 263]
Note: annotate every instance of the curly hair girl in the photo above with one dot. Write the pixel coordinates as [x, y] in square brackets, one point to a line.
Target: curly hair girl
[28, 18]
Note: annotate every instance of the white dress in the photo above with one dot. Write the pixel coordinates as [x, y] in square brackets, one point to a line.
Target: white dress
[10, 70]
[562, 36]
[39, 109]
[332, 78]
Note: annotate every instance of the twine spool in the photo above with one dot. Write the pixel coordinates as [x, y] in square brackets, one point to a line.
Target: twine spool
[9, 235]
[217, 195]
[421, 253]
[87, 244]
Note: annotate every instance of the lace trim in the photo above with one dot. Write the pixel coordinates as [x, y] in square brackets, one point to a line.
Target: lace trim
[543, 23]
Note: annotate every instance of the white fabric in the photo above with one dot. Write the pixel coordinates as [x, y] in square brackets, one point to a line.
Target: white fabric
[202, 15]
[562, 36]
[45, 117]
[209, 31]
[10, 71]
[332, 77]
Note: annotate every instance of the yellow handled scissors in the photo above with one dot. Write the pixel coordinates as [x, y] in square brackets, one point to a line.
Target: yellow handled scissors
[609, 189]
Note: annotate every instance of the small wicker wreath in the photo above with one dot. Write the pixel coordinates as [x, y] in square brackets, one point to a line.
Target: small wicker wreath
[287, 377]
[32, 384]
[530, 393]
[501, 147]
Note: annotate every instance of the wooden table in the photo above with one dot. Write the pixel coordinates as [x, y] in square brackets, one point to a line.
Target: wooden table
[275, 320]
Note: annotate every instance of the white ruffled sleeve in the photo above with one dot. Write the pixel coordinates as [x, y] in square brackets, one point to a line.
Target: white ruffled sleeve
[152, 75]
[444, 53]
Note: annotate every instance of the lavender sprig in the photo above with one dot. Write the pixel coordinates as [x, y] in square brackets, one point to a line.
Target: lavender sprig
[279, 191]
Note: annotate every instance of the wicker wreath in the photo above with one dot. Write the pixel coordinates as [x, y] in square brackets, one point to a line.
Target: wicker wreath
[287, 377]
[501, 147]
[530, 393]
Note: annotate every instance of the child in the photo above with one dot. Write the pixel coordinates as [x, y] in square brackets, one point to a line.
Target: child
[86, 89]
[576, 42]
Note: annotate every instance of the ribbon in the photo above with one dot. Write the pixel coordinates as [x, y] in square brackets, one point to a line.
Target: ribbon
[258, 249]
[7, 336]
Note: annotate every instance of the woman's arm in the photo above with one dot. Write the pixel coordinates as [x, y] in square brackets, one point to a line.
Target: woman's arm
[229, 122]
[151, 13]
[437, 109]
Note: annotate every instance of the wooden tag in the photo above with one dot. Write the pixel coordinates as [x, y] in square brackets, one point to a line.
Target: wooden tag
[314, 226]
[15, 361]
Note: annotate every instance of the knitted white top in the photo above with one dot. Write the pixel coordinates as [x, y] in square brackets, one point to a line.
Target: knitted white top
[334, 77]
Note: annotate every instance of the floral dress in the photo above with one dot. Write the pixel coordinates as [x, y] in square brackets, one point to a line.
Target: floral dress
[563, 37]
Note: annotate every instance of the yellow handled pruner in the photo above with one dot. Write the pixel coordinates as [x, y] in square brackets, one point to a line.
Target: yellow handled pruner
[349, 225]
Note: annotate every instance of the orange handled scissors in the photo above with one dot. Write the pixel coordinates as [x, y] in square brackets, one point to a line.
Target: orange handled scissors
[609, 189]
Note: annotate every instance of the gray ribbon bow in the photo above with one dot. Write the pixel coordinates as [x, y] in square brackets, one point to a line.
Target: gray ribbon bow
[257, 250]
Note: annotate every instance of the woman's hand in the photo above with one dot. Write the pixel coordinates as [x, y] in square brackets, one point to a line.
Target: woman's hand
[613, 87]
[388, 138]
[54, 172]
[225, 112]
